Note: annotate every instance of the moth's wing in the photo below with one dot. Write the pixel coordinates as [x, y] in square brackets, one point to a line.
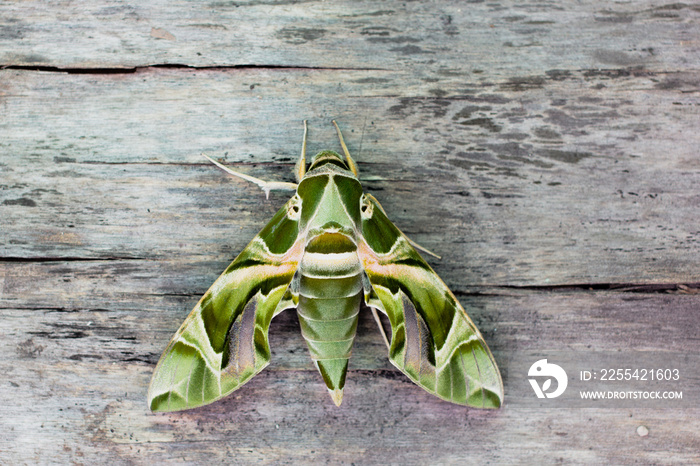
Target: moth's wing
[223, 343]
[433, 341]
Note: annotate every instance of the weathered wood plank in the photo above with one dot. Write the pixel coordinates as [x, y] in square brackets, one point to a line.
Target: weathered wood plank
[547, 150]
[284, 414]
[433, 38]
[559, 184]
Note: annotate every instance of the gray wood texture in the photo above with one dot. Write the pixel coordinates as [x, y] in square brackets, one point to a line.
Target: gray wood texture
[547, 150]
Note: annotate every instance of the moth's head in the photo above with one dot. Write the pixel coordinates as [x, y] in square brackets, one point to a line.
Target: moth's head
[327, 157]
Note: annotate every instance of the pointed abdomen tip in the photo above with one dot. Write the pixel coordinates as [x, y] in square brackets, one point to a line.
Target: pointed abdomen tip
[336, 395]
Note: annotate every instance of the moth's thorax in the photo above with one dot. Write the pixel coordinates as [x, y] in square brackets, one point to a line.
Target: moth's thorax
[330, 198]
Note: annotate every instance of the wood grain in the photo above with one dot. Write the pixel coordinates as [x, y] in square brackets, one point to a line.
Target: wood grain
[432, 38]
[549, 153]
[562, 185]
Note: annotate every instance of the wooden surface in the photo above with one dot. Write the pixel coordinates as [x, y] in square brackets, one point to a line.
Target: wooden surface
[548, 150]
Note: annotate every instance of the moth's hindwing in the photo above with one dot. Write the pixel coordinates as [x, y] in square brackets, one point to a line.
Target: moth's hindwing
[433, 341]
[223, 343]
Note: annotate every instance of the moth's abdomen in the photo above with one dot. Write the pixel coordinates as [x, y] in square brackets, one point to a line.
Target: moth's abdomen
[330, 291]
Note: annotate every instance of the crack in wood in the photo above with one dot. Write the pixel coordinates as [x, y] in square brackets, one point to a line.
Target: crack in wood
[681, 288]
[69, 259]
[48, 309]
[136, 69]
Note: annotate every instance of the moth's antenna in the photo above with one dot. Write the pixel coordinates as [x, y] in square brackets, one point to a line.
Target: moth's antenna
[266, 186]
[362, 137]
[351, 162]
[300, 167]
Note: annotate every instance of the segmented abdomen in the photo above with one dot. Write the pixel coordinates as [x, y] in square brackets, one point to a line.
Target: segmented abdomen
[330, 291]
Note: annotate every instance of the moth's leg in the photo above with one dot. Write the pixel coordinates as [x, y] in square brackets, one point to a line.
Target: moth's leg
[300, 167]
[413, 243]
[379, 324]
[418, 246]
[374, 304]
[351, 162]
[266, 186]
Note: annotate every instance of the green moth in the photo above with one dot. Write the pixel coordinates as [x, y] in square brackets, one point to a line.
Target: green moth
[330, 248]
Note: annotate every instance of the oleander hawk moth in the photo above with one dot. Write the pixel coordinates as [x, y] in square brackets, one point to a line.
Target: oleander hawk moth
[330, 248]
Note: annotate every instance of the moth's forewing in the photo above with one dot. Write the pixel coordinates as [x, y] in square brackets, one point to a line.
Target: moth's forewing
[433, 341]
[223, 343]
